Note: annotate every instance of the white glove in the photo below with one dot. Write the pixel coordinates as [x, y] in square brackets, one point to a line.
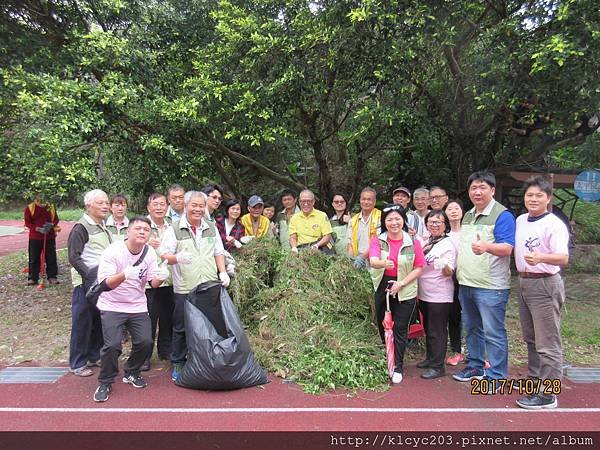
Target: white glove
[237, 243]
[132, 272]
[246, 239]
[439, 263]
[162, 273]
[230, 269]
[184, 258]
[224, 279]
[295, 249]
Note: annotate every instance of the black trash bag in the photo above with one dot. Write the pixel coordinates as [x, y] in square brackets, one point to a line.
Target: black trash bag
[215, 362]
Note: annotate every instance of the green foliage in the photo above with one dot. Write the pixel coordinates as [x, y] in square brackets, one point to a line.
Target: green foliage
[309, 319]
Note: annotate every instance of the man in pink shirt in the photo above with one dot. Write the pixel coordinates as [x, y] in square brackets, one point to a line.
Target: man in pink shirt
[541, 247]
[125, 267]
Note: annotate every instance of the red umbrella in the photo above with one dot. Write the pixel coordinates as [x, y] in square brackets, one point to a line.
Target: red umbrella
[388, 325]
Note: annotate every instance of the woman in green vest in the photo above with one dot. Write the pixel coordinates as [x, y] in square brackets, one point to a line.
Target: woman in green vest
[396, 262]
[339, 223]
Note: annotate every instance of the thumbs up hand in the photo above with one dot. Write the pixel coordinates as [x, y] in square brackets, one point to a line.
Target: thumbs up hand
[479, 247]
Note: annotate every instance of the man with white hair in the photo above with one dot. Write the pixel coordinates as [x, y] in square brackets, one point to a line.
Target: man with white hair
[87, 240]
[195, 250]
[310, 227]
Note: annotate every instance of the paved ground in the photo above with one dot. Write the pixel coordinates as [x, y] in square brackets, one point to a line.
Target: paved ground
[416, 404]
[17, 237]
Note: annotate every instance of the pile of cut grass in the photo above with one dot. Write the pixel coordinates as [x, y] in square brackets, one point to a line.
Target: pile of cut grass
[309, 318]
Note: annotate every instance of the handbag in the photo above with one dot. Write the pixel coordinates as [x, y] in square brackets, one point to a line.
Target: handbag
[93, 293]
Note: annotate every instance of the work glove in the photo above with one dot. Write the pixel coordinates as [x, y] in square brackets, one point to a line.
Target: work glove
[230, 269]
[246, 239]
[132, 272]
[162, 273]
[237, 243]
[359, 262]
[184, 258]
[224, 277]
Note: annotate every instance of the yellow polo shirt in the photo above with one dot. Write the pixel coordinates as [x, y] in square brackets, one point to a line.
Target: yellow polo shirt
[311, 228]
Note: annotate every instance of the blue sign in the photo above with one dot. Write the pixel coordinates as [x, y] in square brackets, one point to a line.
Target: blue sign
[587, 185]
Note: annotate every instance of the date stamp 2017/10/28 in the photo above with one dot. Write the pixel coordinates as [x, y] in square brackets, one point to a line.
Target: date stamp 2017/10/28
[522, 386]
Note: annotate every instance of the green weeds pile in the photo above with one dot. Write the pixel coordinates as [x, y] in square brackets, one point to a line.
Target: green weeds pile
[309, 318]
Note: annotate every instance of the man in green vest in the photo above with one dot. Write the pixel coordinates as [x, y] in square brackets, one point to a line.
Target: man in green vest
[195, 250]
[363, 226]
[282, 219]
[87, 240]
[487, 239]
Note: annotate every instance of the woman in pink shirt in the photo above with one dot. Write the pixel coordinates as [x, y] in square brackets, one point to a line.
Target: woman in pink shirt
[436, 292]
[396, 263]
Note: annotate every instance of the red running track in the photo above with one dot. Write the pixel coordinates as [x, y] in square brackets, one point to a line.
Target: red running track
[416, 405]
[18, 242]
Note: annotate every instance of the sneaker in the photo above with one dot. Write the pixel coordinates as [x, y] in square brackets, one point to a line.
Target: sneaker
[177, 367]
[455, 359]
[102, 391]
[135, 380]
[82, 372]
[94, 363]
[468, 373]
[397, 378]
[538, 402]
[423, 364]
[146, 366]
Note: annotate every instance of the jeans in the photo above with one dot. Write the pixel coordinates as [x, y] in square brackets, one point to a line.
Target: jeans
[86, 331]
[483, 314]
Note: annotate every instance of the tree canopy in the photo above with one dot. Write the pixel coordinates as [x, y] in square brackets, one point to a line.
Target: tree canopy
[335, 95]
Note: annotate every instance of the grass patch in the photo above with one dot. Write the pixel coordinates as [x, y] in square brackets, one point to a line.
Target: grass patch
[587, 219]
[63, 214]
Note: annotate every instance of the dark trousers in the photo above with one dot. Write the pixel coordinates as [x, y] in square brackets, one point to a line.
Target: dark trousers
[113, 324]
[435, 318]
[161, 304]
[401, 314]
[35, 255]
[178, 344]
[454, 322]
[86, 331]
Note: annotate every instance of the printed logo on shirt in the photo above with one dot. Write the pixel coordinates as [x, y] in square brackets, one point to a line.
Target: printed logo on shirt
[429, 258]
[315, 226]
[532, 243]
[143, 273]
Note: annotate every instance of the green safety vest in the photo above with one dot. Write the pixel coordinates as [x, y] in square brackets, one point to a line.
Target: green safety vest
[340, 236]
[203, 267]
[155, 233]
[99, 238]
[406, 259]
[481, 271]
[283, 225]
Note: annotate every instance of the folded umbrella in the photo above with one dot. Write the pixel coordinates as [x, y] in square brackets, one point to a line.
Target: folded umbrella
[388, 327]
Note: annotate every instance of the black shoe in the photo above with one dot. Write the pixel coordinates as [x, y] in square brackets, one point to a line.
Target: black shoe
[135, 380]
[538, 402]
[146, 366]
[102, 391]
[423, 364]
[430, 374]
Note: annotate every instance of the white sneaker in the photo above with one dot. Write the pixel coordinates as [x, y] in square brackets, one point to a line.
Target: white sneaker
[397, 378]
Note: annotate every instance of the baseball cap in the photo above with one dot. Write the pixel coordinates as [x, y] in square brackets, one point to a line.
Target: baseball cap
[255, 200]
[402, 189]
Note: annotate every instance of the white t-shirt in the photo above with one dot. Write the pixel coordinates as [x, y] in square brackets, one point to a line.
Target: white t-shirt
[546, 235]
[433, 285]
[129, 296]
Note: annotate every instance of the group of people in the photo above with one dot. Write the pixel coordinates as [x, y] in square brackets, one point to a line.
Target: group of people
[451, 264]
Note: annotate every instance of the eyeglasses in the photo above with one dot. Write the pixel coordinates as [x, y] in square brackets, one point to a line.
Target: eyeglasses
[393, 208]
[437, 197]
[434, 223]
[306, 201]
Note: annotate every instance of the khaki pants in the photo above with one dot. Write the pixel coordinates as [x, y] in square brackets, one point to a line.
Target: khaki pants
[540, 303]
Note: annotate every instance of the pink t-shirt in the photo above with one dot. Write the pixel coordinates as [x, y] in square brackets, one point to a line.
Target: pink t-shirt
[546, 235]
[129, 296]
[395, 245]
[434, 286]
